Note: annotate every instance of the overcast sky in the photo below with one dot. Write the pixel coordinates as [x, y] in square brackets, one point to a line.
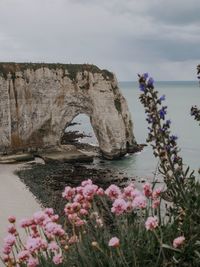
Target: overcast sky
[161, 37]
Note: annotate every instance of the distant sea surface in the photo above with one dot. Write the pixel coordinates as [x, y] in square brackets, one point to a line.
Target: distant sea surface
[180, 96]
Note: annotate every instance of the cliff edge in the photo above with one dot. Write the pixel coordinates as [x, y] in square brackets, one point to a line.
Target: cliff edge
[38, 101]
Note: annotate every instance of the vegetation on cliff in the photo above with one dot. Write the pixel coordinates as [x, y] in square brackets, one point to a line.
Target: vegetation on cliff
[73, 69]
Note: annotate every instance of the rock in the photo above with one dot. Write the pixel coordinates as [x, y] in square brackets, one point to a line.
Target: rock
[16, 158]
[52, 178]
[38, 101]
[66, 154]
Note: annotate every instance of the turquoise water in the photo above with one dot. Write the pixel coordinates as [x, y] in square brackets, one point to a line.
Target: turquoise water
[180, 96]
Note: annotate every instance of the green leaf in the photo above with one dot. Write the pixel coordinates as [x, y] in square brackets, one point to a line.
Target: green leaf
[197, 253]
[170, 247]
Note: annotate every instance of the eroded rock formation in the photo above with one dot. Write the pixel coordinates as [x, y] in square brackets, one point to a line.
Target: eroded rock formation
[38, 101]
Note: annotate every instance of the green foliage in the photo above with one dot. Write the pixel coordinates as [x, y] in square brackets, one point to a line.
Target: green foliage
[72, 69]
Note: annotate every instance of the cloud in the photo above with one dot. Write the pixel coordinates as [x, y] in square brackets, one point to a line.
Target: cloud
[123, 36]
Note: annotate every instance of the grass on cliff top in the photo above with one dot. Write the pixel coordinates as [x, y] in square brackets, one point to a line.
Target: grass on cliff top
[12, 67]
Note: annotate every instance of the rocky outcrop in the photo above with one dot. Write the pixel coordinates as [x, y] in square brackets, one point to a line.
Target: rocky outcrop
[38, 101]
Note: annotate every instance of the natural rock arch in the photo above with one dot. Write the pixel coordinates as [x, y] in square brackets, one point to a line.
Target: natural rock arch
[39, 100]
[79, 129]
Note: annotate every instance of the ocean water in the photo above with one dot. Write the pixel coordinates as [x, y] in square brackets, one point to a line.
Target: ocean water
[180, 96]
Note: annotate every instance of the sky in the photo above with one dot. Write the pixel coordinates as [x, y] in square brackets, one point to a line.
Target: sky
[161, 37]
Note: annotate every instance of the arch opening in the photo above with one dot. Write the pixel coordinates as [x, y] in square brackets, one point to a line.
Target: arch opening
[79, 132]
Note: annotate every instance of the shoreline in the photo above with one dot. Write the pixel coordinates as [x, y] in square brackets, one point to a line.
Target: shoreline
[52, 177]
[15, 198]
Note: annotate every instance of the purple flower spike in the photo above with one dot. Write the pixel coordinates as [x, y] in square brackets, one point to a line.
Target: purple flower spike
[142, 87]
[162, 112]
[162, 98]
[145, 75]
[173, 137]
[150, 82]
[168, 122]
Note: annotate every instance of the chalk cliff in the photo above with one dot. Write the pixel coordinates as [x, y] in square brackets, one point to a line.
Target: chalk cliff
[38, 101]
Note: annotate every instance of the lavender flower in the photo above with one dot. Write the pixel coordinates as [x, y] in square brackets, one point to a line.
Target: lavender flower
[150, 82]
[145, 75]
[162, 98]
[163, 142]
[142, 87]
[162, 112]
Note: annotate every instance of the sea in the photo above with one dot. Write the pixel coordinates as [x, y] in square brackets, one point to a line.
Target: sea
[180, 96]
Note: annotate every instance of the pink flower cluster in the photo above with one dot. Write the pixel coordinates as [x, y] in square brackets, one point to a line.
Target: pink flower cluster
[80, 202]
[126, 199]
[151, 223]
[114, 242]
[178, 242]
[44, 234]
[153, 195]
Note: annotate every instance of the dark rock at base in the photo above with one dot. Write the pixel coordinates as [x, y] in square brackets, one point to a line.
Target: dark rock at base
[136, 148]
[66, 154]
[47, 181]
[14, 158]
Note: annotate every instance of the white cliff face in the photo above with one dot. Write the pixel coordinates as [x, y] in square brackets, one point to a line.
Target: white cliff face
[37, 104]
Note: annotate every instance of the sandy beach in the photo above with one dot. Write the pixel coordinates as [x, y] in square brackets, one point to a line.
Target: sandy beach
[15, 198]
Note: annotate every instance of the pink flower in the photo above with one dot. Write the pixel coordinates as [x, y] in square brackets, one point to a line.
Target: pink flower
[10, 240]
[139, 202]
[89, 190]
[157, 192]
[39, 217]
[114, 242]
[5, 258]
[147, 190]
[155, 203]
[12, 219]
[34, 244]
[136, 193]
[119, 206]
[57, 259]
[25, 223]
[113, 191]
[78, 197]
[55, 218]
[53, 246]
[86, 182]
[11, 229]
[129, 206]
[68, 193]
[128, 192]
[100, 192]
[7, 249]
[86, 205]
[76, 206]
[68, 208]
[52, 228]
[32, 262]
[178, 241]
[79, 190]
[79, 222]
[49, 211]
[73, 239]
[83, 212]
[151, 223]
[23, 255]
